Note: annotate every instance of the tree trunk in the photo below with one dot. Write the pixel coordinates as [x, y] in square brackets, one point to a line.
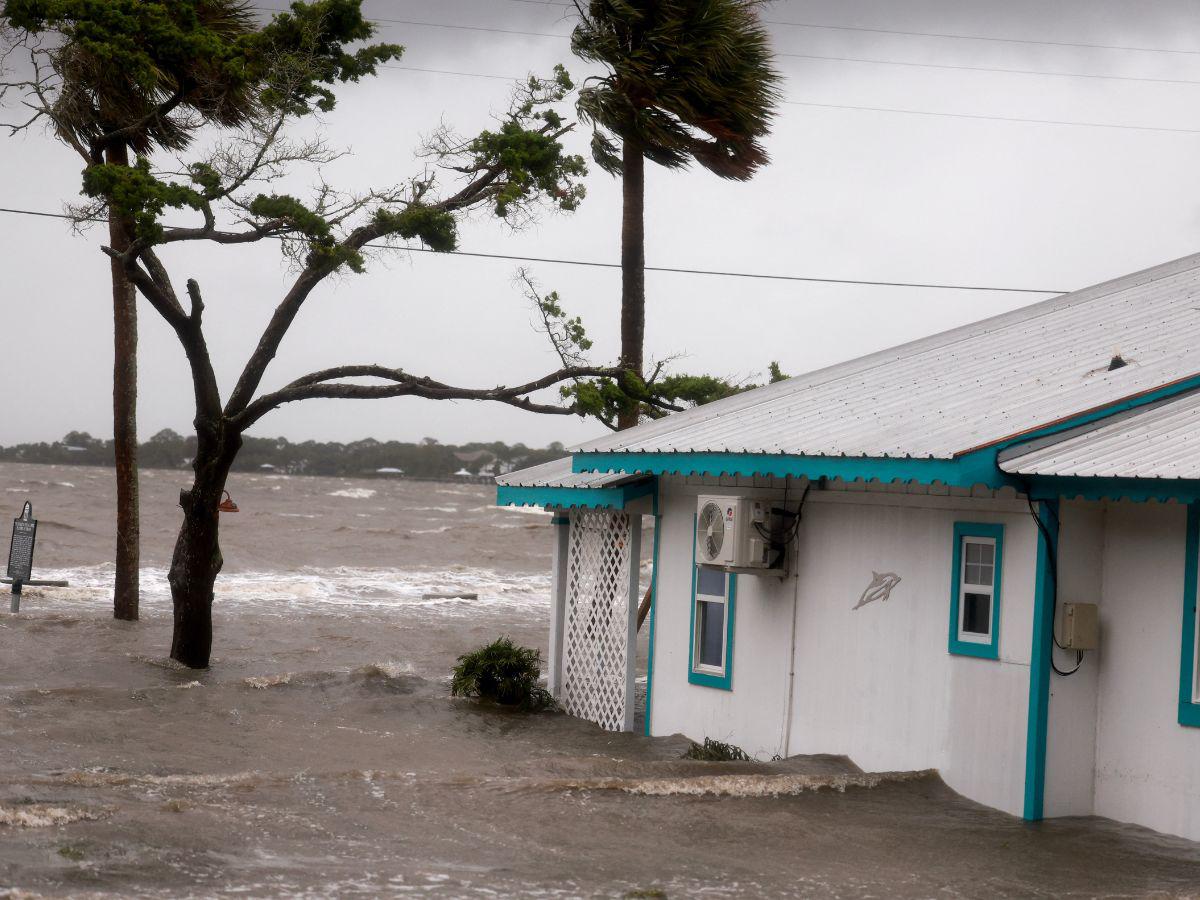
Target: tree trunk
[125, 593]
[197, 559]
[633, 269]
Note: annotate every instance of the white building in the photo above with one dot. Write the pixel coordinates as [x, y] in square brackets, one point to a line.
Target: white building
[989, 477]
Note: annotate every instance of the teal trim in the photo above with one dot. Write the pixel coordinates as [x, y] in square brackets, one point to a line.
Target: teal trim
[965, 471]
[959, 647]
[1189, 710]
[705, 679]
[575, 497]
[1045, 591]
[1139, 490]
[653, 607]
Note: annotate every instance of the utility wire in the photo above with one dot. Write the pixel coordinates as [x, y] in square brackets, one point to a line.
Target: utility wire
[949, 115]
[885, 109]
[918, 65]
[936, 34]
[667, 269]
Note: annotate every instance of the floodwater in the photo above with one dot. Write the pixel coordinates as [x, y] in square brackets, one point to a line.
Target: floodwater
[322, 756]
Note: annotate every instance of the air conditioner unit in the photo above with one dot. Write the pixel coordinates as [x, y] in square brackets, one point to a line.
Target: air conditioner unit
[733, 532]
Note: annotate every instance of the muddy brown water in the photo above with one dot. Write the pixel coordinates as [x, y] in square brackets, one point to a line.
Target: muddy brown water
[322, 756]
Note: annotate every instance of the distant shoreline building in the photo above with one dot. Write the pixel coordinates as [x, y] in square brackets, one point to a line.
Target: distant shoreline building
[976, 552]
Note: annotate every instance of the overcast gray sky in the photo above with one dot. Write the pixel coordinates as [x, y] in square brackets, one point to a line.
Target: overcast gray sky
[850, 193]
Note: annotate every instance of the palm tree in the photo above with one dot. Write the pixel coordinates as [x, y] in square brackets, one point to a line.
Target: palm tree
[106, 111]
[687, 80]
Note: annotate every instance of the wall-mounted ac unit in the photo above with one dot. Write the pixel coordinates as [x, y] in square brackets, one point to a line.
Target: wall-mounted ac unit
[733, 532]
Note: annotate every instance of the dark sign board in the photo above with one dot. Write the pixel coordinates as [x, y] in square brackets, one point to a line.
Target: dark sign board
[20, 551]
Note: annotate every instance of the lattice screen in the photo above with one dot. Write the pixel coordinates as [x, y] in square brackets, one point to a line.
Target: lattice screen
[597, 631]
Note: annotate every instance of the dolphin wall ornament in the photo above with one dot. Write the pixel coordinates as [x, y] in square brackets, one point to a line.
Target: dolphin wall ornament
[880, 588]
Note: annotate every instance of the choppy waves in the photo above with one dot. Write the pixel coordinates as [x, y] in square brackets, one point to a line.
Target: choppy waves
[322, 589]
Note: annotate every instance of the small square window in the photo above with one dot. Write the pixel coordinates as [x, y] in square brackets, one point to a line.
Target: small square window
[710, 582]
[711, 640]
[977, 614]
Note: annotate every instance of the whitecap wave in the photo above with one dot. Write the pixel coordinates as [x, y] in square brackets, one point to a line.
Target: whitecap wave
[41, 815]
[313, 589]
[724, 785]
[354, 493]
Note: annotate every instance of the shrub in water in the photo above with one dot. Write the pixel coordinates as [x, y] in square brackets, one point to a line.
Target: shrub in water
[716, 751]
[503, 672]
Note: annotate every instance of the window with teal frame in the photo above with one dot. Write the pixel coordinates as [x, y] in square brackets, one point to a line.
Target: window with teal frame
[975, 590]
[1189, 678]
[714, 602]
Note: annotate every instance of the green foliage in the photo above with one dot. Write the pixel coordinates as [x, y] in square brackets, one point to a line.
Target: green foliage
[138, 195]
[436, 228]
[142, 67]
[687, 80]
[566, 332]
[777, 374]
[504, 673]
[532, 162]
[716, 751]
[301, 53]
[605, 398]
[316, 228]
[526, 153]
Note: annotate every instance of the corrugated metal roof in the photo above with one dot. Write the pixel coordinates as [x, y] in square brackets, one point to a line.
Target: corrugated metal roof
[1158, 441]
[558, 474]
[965, 388]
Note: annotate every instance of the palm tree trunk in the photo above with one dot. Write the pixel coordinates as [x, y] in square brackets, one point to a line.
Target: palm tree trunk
[125, 594]
[633, 269]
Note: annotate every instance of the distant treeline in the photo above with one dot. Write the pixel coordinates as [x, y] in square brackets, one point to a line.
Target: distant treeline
[427, 459]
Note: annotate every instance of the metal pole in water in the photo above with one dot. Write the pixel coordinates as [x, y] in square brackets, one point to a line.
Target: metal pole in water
[15, 606]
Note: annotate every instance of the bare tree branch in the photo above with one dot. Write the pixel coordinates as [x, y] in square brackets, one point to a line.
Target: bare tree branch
[326, 384]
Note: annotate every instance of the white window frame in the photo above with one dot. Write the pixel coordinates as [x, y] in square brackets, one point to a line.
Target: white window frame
[723, 600]
[974, 637]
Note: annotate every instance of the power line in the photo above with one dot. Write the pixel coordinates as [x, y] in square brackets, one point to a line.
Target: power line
[449, 72]
[938, 34]
[973, 37]
[665, 269]
[887, 109]
[893, 62]
[949, 115]
[853, 59]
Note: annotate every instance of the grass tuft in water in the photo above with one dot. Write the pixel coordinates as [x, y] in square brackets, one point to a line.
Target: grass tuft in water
[71, 852]
[716, 751]
[647, 894]
[503, 673]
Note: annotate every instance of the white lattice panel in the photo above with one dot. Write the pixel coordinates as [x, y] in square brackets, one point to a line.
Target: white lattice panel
[597, 631]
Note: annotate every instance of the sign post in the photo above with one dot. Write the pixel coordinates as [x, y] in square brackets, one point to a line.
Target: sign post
[20, 553]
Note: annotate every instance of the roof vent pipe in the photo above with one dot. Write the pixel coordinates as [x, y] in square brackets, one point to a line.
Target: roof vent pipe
[1117, 362]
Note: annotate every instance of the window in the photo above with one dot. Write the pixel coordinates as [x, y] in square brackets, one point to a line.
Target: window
[975, 591]
[714, 594]
[1189, 671]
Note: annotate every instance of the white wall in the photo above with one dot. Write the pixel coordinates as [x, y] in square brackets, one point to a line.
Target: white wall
[1147, 764]
[878, 683]
[752, 715]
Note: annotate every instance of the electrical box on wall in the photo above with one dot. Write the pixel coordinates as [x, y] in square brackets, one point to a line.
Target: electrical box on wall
[1079, 626]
